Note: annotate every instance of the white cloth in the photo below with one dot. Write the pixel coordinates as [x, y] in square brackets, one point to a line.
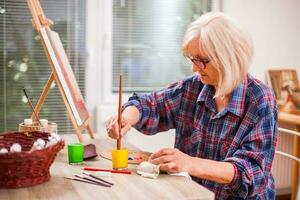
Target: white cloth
[184, 174]
[149, 170]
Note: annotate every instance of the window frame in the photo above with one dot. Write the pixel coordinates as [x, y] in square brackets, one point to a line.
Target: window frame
[99, 47]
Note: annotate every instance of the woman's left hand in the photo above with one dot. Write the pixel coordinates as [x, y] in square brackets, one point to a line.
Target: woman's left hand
[171, 160]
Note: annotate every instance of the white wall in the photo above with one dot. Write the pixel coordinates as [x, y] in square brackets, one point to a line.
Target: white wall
[275, 29]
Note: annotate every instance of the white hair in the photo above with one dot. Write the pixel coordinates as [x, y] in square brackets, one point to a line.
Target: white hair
[228, 48]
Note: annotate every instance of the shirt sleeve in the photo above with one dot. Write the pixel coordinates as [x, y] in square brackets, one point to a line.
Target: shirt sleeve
[253, 160]
[158, 109]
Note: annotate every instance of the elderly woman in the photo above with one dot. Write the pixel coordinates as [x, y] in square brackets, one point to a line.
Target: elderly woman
[225, 119]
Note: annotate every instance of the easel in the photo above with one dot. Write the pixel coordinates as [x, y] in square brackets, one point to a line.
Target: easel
[61, 72]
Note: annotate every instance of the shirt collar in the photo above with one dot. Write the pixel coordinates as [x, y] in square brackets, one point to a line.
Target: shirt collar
[237, 102]
[206, 96]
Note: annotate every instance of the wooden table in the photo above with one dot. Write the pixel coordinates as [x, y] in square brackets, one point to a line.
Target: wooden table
[125, 186]
[293, 119]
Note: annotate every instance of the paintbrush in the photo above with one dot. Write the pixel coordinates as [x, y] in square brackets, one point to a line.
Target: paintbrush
[31, 105]
[95, 177]
[119, 144]
[107, 170]
[80, 180]
[92, 180]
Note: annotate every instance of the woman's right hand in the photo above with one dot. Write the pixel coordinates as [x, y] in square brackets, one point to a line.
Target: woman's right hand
[112, 127]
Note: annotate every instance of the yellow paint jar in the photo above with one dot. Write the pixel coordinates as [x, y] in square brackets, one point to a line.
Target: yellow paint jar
[119, 158]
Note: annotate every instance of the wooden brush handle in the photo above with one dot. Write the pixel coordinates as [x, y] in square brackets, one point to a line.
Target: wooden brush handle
[119, 144]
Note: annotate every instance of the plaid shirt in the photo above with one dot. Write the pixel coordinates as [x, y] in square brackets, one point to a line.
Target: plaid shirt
[244, 133]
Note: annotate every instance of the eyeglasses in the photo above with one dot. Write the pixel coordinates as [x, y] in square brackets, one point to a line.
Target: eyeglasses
[200, 62]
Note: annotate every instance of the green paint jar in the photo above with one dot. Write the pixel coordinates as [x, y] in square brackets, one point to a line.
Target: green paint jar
[75, 153]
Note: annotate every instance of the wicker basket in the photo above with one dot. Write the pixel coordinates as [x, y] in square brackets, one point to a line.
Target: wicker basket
[26, 168]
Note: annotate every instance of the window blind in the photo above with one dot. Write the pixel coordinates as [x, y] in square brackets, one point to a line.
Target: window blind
[24, 63]
[147, 39]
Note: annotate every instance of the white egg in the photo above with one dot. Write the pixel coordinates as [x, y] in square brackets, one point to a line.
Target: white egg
[38, 144]
[15, 148]
[3, 151]
[41, 142]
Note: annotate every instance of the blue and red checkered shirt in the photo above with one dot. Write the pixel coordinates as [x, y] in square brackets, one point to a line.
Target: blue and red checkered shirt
[244, 133]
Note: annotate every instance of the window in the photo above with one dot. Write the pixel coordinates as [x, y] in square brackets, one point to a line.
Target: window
[146, 41]
[24, 63]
